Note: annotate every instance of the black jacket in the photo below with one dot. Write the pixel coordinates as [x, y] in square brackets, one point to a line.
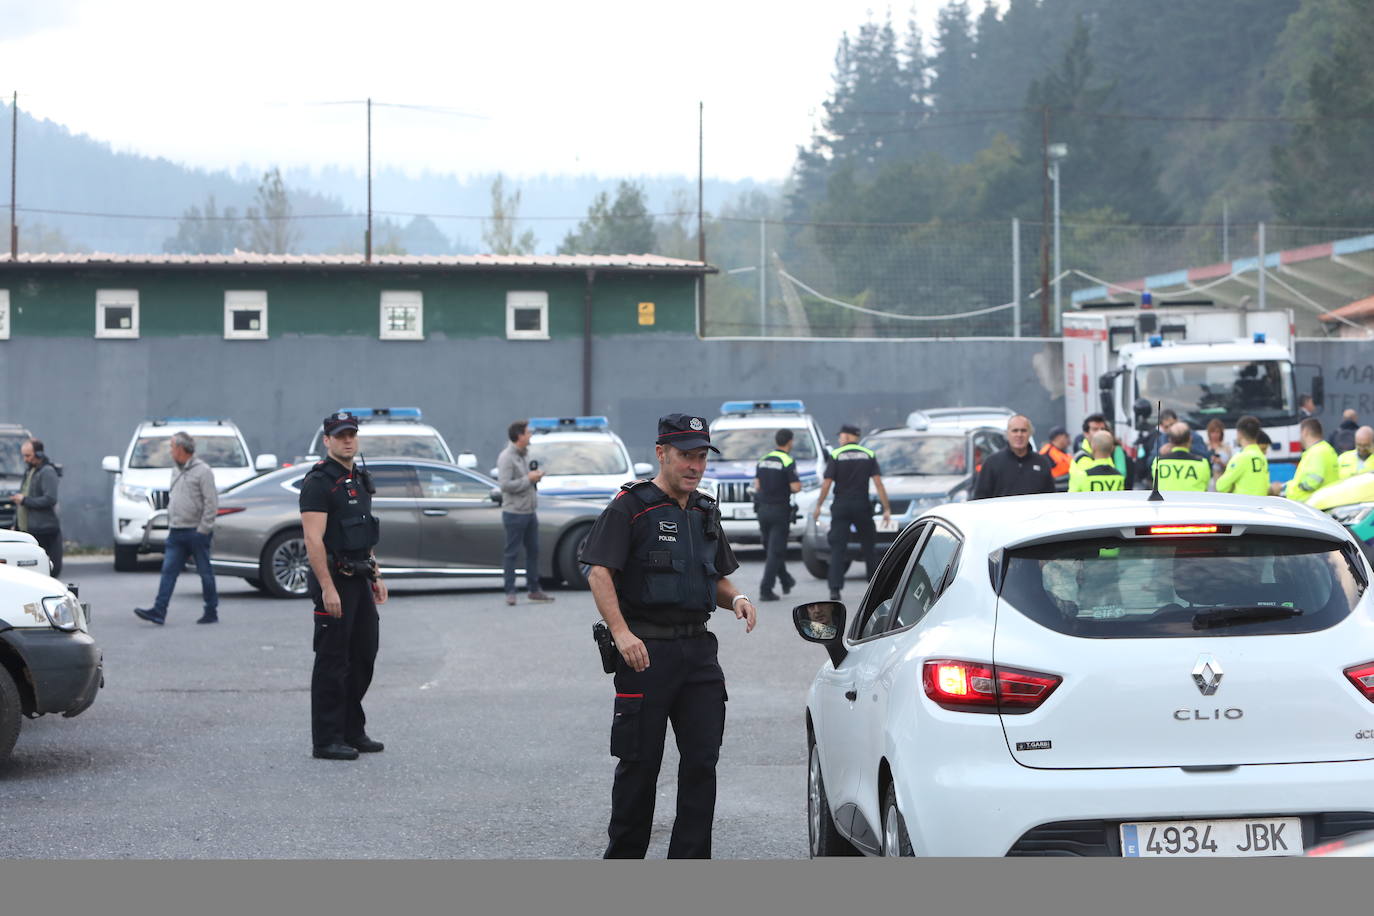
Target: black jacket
[1004, 474]
[40, 506]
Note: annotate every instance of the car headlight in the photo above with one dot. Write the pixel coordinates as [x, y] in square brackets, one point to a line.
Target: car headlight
[64, 612]
[133, 493]
[1352, 514]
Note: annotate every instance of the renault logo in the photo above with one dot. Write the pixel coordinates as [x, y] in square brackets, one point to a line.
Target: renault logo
[1207, 674]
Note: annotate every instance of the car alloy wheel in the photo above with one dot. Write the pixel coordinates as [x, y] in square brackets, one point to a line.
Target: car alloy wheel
[895, 839]
[290, 563]
[814, 800]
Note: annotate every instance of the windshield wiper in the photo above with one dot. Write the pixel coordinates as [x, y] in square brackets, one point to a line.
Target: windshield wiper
[1249, 613]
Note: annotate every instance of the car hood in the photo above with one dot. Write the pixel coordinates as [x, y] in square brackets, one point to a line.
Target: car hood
[1357, 489]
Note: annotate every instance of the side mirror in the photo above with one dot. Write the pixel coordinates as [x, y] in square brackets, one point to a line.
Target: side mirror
[496, 496]
[467, 460]
[822, 622]
[493, 472]
[110, 463]
[643, 469]
[265, 462]
[1319, 392]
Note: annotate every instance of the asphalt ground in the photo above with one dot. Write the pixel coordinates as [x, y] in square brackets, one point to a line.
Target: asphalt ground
[496, 722]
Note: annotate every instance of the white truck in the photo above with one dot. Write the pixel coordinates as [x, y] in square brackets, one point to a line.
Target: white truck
[1204, 363]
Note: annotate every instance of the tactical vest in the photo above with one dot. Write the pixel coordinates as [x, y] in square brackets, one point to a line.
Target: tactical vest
[1098, 476]
[1180, 469]
[670, 575]
[351, 530]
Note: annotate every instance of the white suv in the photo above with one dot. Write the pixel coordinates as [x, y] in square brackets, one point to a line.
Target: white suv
[144, 474]
[393, 432]
[581, 458]
[744, 434]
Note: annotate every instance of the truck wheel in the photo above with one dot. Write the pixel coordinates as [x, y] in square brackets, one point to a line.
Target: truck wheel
[815, 565]
[126, 558]
[568, 567]
[284, 565]
[11, 713]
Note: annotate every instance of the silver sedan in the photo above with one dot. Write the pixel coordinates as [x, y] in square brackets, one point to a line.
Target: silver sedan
[437, 520]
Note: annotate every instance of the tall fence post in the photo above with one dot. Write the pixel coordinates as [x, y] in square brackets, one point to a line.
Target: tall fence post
[1016, 276]
[763, 278]
[1261, 267]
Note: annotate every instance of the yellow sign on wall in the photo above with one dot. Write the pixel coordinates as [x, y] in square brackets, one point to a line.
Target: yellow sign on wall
[646, 313]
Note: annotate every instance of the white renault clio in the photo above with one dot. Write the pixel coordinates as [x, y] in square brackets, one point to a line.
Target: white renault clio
[1093, 674]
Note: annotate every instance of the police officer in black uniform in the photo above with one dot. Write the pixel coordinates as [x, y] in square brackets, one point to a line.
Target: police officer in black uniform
[340, 533]
[775, 480]
[658, 566]
[850, 468]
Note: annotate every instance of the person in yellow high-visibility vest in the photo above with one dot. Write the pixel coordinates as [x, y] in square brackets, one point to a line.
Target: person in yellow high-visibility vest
[1178, 467]
[1247, 473]
[1319, 467]
[1360, 458]
[1099, 474]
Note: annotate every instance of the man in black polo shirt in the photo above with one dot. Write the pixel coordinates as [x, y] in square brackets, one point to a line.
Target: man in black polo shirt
[775, 480]
[1016, 470]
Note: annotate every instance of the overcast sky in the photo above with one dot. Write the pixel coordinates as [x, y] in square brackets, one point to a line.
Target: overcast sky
[608, 87]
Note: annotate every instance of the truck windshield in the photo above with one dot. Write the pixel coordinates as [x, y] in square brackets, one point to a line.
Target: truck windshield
[1199, 392]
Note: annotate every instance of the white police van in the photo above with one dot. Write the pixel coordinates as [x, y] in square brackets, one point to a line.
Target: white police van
[744, 434]
[143, 478]
[394, 432]
[581, 458]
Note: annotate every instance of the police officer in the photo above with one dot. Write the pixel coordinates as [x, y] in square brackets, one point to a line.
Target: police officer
[659, 563]
[1359, 459]
[340, 533]
[775, 480]
[850, 468]
[1178, 467]
[1098, 474]
[1247, 473]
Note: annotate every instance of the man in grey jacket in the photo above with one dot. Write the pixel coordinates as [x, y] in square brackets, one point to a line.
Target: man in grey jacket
[519, 496]
[36, 502]
[191, 509]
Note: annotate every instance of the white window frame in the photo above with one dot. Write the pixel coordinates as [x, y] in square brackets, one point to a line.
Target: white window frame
[105, 298]
[237, 300]
[4, 314]
[527, 299]
[400, 298]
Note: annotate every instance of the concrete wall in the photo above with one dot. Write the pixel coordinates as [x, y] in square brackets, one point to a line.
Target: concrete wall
[83, 396]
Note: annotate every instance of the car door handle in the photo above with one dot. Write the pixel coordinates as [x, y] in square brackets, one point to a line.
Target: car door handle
[436, 512]
[851, 695]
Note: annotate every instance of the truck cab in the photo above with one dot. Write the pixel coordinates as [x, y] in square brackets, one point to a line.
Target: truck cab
[1205, 364]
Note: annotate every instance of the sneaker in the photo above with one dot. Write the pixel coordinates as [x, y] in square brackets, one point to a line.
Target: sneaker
[208, 618]
[540, 596]
[148, 615]
[788, 586]
[768, 596]
[510, 600]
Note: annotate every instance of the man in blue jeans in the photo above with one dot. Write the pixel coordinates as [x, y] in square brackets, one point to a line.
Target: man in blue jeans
[519, 497]
[191, 509]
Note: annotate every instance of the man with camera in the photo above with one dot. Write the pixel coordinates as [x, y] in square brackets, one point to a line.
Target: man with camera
[518, 478]
[340, 534]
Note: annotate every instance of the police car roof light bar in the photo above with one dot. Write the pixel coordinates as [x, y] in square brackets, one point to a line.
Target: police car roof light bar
[1260, 337]
[762, 407]
[383, 413]
[552, 424]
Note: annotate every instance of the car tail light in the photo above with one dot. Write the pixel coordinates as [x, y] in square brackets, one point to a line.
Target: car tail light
[229, 510]
[966, 686]
[1362, 676]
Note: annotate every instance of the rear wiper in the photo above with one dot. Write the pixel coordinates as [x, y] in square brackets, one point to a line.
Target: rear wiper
[1226, 616]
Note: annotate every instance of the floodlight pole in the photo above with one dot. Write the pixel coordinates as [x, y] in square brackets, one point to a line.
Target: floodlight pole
[367, 234]
[14, 172]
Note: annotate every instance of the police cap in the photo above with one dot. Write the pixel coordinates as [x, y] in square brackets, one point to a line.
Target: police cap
[339, 422]
[684, 432]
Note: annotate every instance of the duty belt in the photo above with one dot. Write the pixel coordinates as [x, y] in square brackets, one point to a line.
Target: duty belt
[666, 630]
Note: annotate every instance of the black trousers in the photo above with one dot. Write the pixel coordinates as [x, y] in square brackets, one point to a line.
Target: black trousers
[345, 652]
[842, 517]
[775, 523]
[683, 685]
[51, 542]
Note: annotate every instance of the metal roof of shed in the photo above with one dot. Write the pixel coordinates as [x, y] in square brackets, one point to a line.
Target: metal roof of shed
[629, 263]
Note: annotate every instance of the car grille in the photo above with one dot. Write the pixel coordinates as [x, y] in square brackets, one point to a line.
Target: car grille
[733, 492]
[160, 498]
[1103, 838]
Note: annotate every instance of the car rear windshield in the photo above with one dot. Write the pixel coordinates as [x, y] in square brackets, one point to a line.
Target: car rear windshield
[1111, 587]
[556, 457]
[216, 451]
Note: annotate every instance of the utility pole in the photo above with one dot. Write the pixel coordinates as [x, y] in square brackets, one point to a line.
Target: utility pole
[14, 172]
[763, 278]
[367, 234]
[1016, 276]
[1045, 222]
[701, 215]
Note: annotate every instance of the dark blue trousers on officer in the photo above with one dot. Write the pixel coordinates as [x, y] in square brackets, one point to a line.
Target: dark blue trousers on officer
[345, 654]
[775, 524]
[843, 516]
[684, 685]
